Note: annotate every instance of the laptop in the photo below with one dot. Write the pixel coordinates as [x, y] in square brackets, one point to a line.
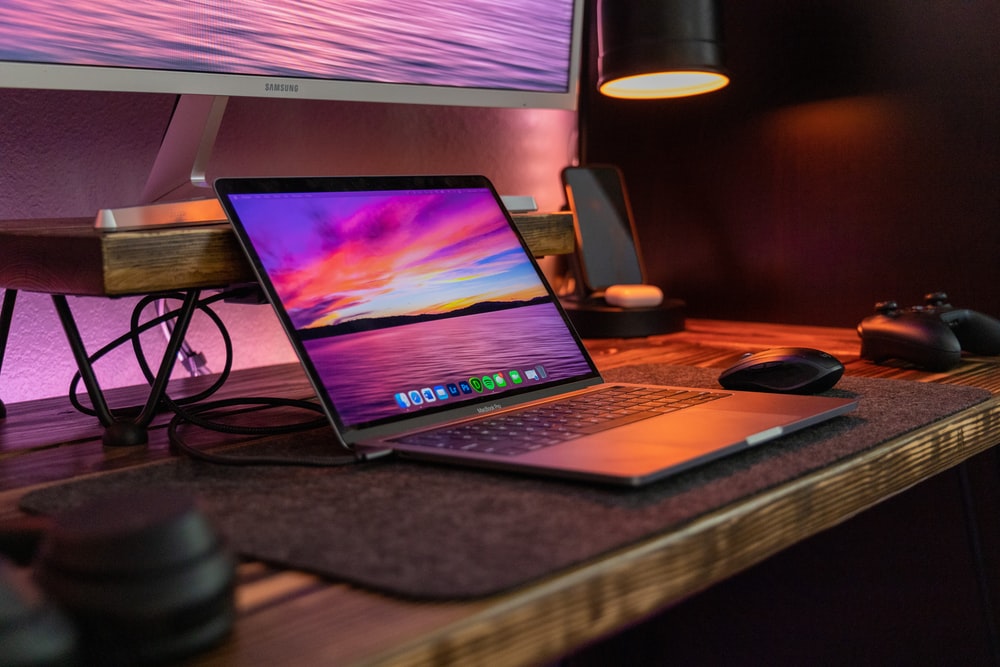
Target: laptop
[426, 328]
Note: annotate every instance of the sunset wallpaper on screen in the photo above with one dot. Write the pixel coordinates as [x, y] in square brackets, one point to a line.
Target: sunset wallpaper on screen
[406, 292]
[336, 259]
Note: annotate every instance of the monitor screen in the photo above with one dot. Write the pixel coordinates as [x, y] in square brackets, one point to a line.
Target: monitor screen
[504, 53]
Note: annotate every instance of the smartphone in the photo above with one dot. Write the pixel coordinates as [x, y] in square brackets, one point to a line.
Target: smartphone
[607, 250]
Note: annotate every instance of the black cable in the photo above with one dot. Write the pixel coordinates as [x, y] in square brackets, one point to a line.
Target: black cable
[202, 305]
[191, 409]
[193, 415]
[133, 335]
[194, 361]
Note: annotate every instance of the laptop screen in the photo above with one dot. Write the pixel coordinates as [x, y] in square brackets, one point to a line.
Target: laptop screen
[406, 301]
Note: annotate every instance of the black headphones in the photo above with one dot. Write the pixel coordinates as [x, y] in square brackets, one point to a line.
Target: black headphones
[140, 578]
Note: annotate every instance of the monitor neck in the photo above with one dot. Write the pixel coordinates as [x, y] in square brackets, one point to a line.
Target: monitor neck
[179, 171]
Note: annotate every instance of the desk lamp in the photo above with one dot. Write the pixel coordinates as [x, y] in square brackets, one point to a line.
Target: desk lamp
[650, 49]
[655, 49]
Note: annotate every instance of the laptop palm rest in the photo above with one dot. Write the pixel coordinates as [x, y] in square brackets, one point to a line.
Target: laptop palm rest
[653, 448]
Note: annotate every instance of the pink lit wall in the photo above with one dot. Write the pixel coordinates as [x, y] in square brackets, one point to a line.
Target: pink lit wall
[66, 154]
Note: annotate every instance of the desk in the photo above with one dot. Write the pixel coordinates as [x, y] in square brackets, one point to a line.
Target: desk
[287, 617]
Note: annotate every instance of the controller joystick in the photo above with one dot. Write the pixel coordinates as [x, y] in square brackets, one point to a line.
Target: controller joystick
[932, 335]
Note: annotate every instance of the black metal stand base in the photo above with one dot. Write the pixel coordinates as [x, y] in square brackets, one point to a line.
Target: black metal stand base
[119, 430]
[594, 318]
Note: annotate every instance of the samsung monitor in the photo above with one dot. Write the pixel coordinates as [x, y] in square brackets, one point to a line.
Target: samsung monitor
[506, 53]
[496, 53]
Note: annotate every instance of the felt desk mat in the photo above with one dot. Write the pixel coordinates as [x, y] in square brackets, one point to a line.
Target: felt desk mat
[436, 532]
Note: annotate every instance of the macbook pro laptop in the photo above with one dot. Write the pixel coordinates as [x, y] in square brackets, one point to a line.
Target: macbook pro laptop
[426, 327]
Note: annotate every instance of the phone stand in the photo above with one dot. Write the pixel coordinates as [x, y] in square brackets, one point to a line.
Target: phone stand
[607, 255]
[594, 318]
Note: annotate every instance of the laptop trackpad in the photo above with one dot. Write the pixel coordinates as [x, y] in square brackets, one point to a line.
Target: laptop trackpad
[700, 430]
[679, 439]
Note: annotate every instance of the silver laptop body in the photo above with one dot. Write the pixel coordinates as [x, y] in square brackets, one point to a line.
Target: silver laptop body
[414, 306]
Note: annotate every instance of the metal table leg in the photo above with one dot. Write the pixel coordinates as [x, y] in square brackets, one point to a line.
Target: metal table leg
[6, 315]
[119, 430]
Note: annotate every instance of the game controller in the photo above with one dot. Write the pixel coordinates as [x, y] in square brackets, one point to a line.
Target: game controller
[932, 336]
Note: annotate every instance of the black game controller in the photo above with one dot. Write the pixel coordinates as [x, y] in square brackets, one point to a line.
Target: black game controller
[932, 336]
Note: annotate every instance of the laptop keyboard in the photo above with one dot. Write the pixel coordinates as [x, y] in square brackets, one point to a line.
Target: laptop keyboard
[547, 424]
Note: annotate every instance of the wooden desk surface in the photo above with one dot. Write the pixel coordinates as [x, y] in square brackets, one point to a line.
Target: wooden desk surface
[69, 256]
[288, 617]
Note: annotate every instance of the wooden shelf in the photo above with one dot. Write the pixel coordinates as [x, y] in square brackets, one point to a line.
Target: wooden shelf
[69, 256]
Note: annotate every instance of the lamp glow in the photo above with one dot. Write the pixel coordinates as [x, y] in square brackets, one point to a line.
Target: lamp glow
[661, 85]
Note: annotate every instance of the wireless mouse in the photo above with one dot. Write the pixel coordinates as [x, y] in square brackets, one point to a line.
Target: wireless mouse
[784, 370]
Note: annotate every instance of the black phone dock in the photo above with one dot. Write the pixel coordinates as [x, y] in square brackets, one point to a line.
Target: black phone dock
[593, 317]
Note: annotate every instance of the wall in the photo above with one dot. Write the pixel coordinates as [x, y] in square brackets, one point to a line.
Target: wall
[67, 154]
[854, 158]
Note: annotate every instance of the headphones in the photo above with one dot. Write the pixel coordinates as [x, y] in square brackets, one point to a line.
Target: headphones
[134, 579]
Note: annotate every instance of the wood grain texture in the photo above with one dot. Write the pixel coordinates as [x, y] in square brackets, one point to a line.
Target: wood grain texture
[290, 617]
[68, 256]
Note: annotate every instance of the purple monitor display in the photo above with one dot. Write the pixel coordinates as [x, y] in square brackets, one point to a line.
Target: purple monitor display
[513, 53]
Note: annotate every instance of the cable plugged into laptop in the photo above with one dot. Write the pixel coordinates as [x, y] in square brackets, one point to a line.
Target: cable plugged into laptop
[272, 455]
[367, 453]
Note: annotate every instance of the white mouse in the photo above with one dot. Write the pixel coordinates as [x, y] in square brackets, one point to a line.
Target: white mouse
[633, 296]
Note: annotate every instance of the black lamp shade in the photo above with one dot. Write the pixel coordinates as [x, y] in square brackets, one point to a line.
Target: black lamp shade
[659, 48]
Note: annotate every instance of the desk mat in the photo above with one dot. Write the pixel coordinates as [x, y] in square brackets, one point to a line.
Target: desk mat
[433, 532]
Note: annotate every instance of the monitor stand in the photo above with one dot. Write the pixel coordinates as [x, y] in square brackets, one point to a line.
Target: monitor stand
[177, 192]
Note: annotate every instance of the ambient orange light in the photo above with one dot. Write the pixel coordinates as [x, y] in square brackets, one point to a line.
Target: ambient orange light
[659, 85]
